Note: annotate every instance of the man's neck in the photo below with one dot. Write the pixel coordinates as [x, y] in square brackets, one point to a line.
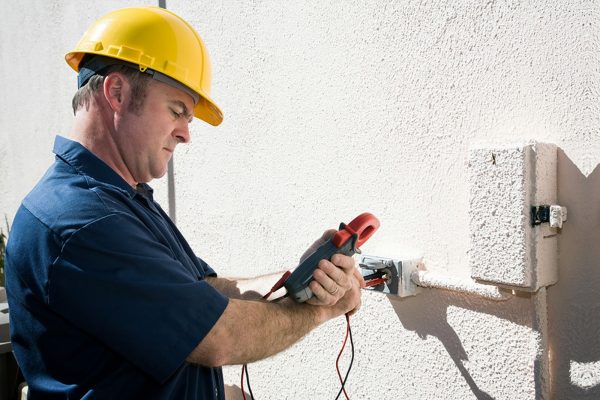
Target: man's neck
[93, 131]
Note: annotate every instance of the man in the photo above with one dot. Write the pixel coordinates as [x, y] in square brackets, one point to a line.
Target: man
[107, 300]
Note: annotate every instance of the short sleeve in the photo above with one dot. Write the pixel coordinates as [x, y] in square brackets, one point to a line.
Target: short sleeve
[207, 269]
[119, 284]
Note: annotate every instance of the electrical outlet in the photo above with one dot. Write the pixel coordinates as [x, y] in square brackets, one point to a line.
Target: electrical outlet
[407, 286]
[389, 275]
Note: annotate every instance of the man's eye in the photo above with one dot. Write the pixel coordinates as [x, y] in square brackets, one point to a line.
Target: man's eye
[176, 114]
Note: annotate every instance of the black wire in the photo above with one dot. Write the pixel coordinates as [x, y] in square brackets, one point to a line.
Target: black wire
[351, 359]
[345, 377]
[248, 381]
[245, 367]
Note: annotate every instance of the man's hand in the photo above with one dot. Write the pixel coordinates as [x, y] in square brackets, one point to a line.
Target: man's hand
[336, 283]
[272, 327]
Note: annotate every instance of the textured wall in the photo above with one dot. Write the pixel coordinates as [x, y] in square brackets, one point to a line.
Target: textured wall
[37, 86]
[334, 108]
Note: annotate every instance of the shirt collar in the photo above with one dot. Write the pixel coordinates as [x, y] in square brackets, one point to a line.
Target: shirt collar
[145, 190]
[86, 163]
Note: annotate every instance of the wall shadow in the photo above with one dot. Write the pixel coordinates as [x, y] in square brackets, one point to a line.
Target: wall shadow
[427, 315]
[574, 302]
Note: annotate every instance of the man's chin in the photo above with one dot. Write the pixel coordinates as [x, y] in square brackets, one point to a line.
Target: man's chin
[148, 179]
[161, 174]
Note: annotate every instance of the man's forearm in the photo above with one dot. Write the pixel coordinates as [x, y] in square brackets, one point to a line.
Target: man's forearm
[249, 331]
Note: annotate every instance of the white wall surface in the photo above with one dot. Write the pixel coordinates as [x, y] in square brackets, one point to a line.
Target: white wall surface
[37, 86]
[335, 108]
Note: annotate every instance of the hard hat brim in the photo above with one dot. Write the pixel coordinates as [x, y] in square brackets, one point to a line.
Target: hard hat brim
[208, 111]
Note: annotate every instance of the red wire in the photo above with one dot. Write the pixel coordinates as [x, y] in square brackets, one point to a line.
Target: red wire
[278, 285]
[337, 361]
[242, 385]
[375, 282]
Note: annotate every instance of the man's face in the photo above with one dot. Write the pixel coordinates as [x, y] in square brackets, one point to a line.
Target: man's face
[147, 137]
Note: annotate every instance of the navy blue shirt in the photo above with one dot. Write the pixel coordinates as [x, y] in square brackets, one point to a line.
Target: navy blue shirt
[106, 297]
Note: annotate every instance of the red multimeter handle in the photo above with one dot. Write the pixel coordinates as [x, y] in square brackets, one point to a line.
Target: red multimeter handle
[364, 226]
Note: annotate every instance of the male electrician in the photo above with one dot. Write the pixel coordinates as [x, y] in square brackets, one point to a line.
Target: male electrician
[107, 299]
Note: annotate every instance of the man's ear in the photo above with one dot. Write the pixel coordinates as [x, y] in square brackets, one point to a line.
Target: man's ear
[116, 88]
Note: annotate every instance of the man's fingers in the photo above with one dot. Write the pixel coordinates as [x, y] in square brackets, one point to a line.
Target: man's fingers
[354, 311]
[328, 275]
[344, 262]
[359, 278]
[334, 279]
[321, 296]
[330, 284]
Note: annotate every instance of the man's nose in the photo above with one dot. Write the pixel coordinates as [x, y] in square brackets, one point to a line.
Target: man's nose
[182, 132]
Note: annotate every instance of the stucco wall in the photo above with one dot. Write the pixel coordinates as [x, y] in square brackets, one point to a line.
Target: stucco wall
[335, 108]
[37, 86]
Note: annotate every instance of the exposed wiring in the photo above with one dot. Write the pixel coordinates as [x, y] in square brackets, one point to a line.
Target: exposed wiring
[242, 382]
[337, 361]
[375, 282]
[245, 373]
[379, 277]
[248, 382]
[348, 333]
[276, 287]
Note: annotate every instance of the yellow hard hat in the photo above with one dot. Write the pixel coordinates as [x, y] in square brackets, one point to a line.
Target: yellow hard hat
[156, 41]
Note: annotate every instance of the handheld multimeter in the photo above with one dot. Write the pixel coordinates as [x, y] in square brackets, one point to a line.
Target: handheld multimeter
[347, 240]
